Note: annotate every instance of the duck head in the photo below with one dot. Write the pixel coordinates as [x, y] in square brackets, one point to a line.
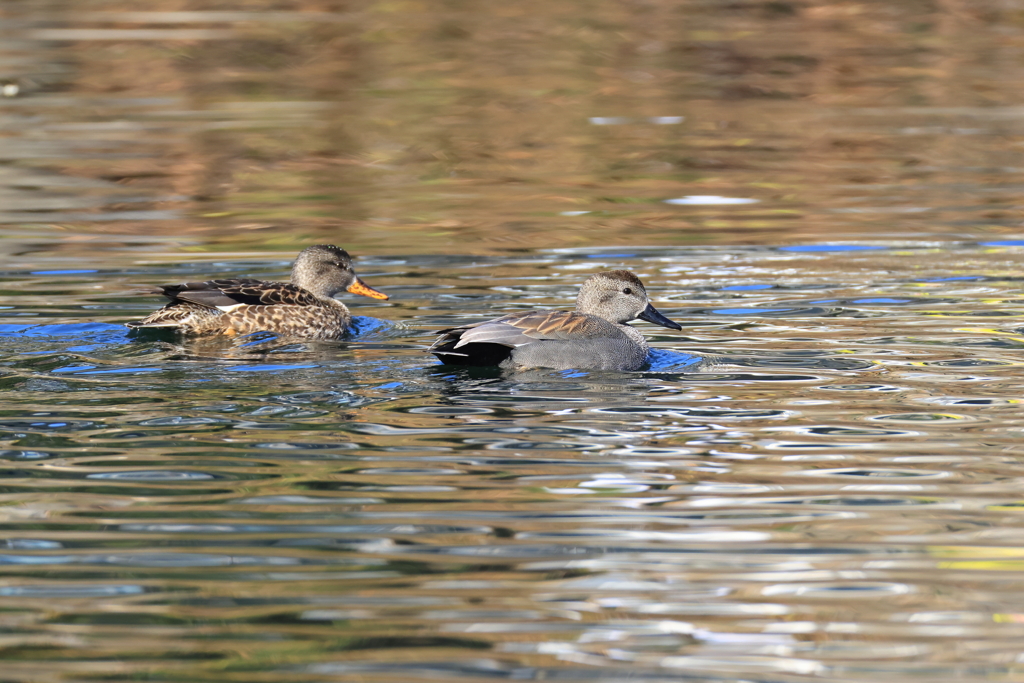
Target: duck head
[325, 270]
[619, 296]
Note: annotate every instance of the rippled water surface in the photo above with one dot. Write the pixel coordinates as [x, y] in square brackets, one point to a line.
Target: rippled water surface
[818, 477]
[833, 492]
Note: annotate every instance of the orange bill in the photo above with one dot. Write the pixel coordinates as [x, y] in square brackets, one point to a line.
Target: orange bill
[360, 287]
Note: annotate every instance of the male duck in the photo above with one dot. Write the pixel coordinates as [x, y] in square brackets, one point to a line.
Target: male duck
[303, 307]
[594, 337]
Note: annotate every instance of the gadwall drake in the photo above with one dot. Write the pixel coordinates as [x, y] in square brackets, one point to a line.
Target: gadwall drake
[594, 337]
[302, 308]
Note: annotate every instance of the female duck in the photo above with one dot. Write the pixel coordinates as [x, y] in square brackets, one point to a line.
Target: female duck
[302, 308]
[595, 336]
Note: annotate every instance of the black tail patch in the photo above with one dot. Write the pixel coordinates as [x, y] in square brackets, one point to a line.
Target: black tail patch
[479, 355]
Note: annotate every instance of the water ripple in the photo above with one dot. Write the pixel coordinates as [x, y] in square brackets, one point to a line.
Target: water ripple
[846, 442]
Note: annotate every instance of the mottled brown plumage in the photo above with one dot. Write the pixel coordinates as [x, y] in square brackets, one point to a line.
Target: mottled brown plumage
[594, 336]
[302, 308]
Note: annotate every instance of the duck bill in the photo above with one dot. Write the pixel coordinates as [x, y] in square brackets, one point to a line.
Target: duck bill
[360, 287]
[651, 315]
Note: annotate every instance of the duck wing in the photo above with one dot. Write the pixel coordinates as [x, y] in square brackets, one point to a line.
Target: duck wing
[519, 329]
[228, 294]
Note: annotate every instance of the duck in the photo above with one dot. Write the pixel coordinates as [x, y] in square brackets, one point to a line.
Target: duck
[303, 308]
[596, 336]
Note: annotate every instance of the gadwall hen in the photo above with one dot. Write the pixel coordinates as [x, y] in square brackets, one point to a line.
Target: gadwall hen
[302, 308]
[594, 337]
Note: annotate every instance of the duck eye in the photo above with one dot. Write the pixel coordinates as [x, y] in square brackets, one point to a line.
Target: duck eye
[627, 290]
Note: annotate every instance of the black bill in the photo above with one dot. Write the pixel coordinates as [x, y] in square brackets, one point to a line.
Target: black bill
[651, 315]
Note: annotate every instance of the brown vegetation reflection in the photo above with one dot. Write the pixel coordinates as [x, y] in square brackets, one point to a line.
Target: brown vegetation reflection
[450, 127]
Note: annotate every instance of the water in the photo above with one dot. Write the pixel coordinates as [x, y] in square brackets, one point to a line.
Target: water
[819, 476]
[836, 495]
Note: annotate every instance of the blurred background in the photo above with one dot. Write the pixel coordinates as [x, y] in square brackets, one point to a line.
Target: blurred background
[453, 126]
